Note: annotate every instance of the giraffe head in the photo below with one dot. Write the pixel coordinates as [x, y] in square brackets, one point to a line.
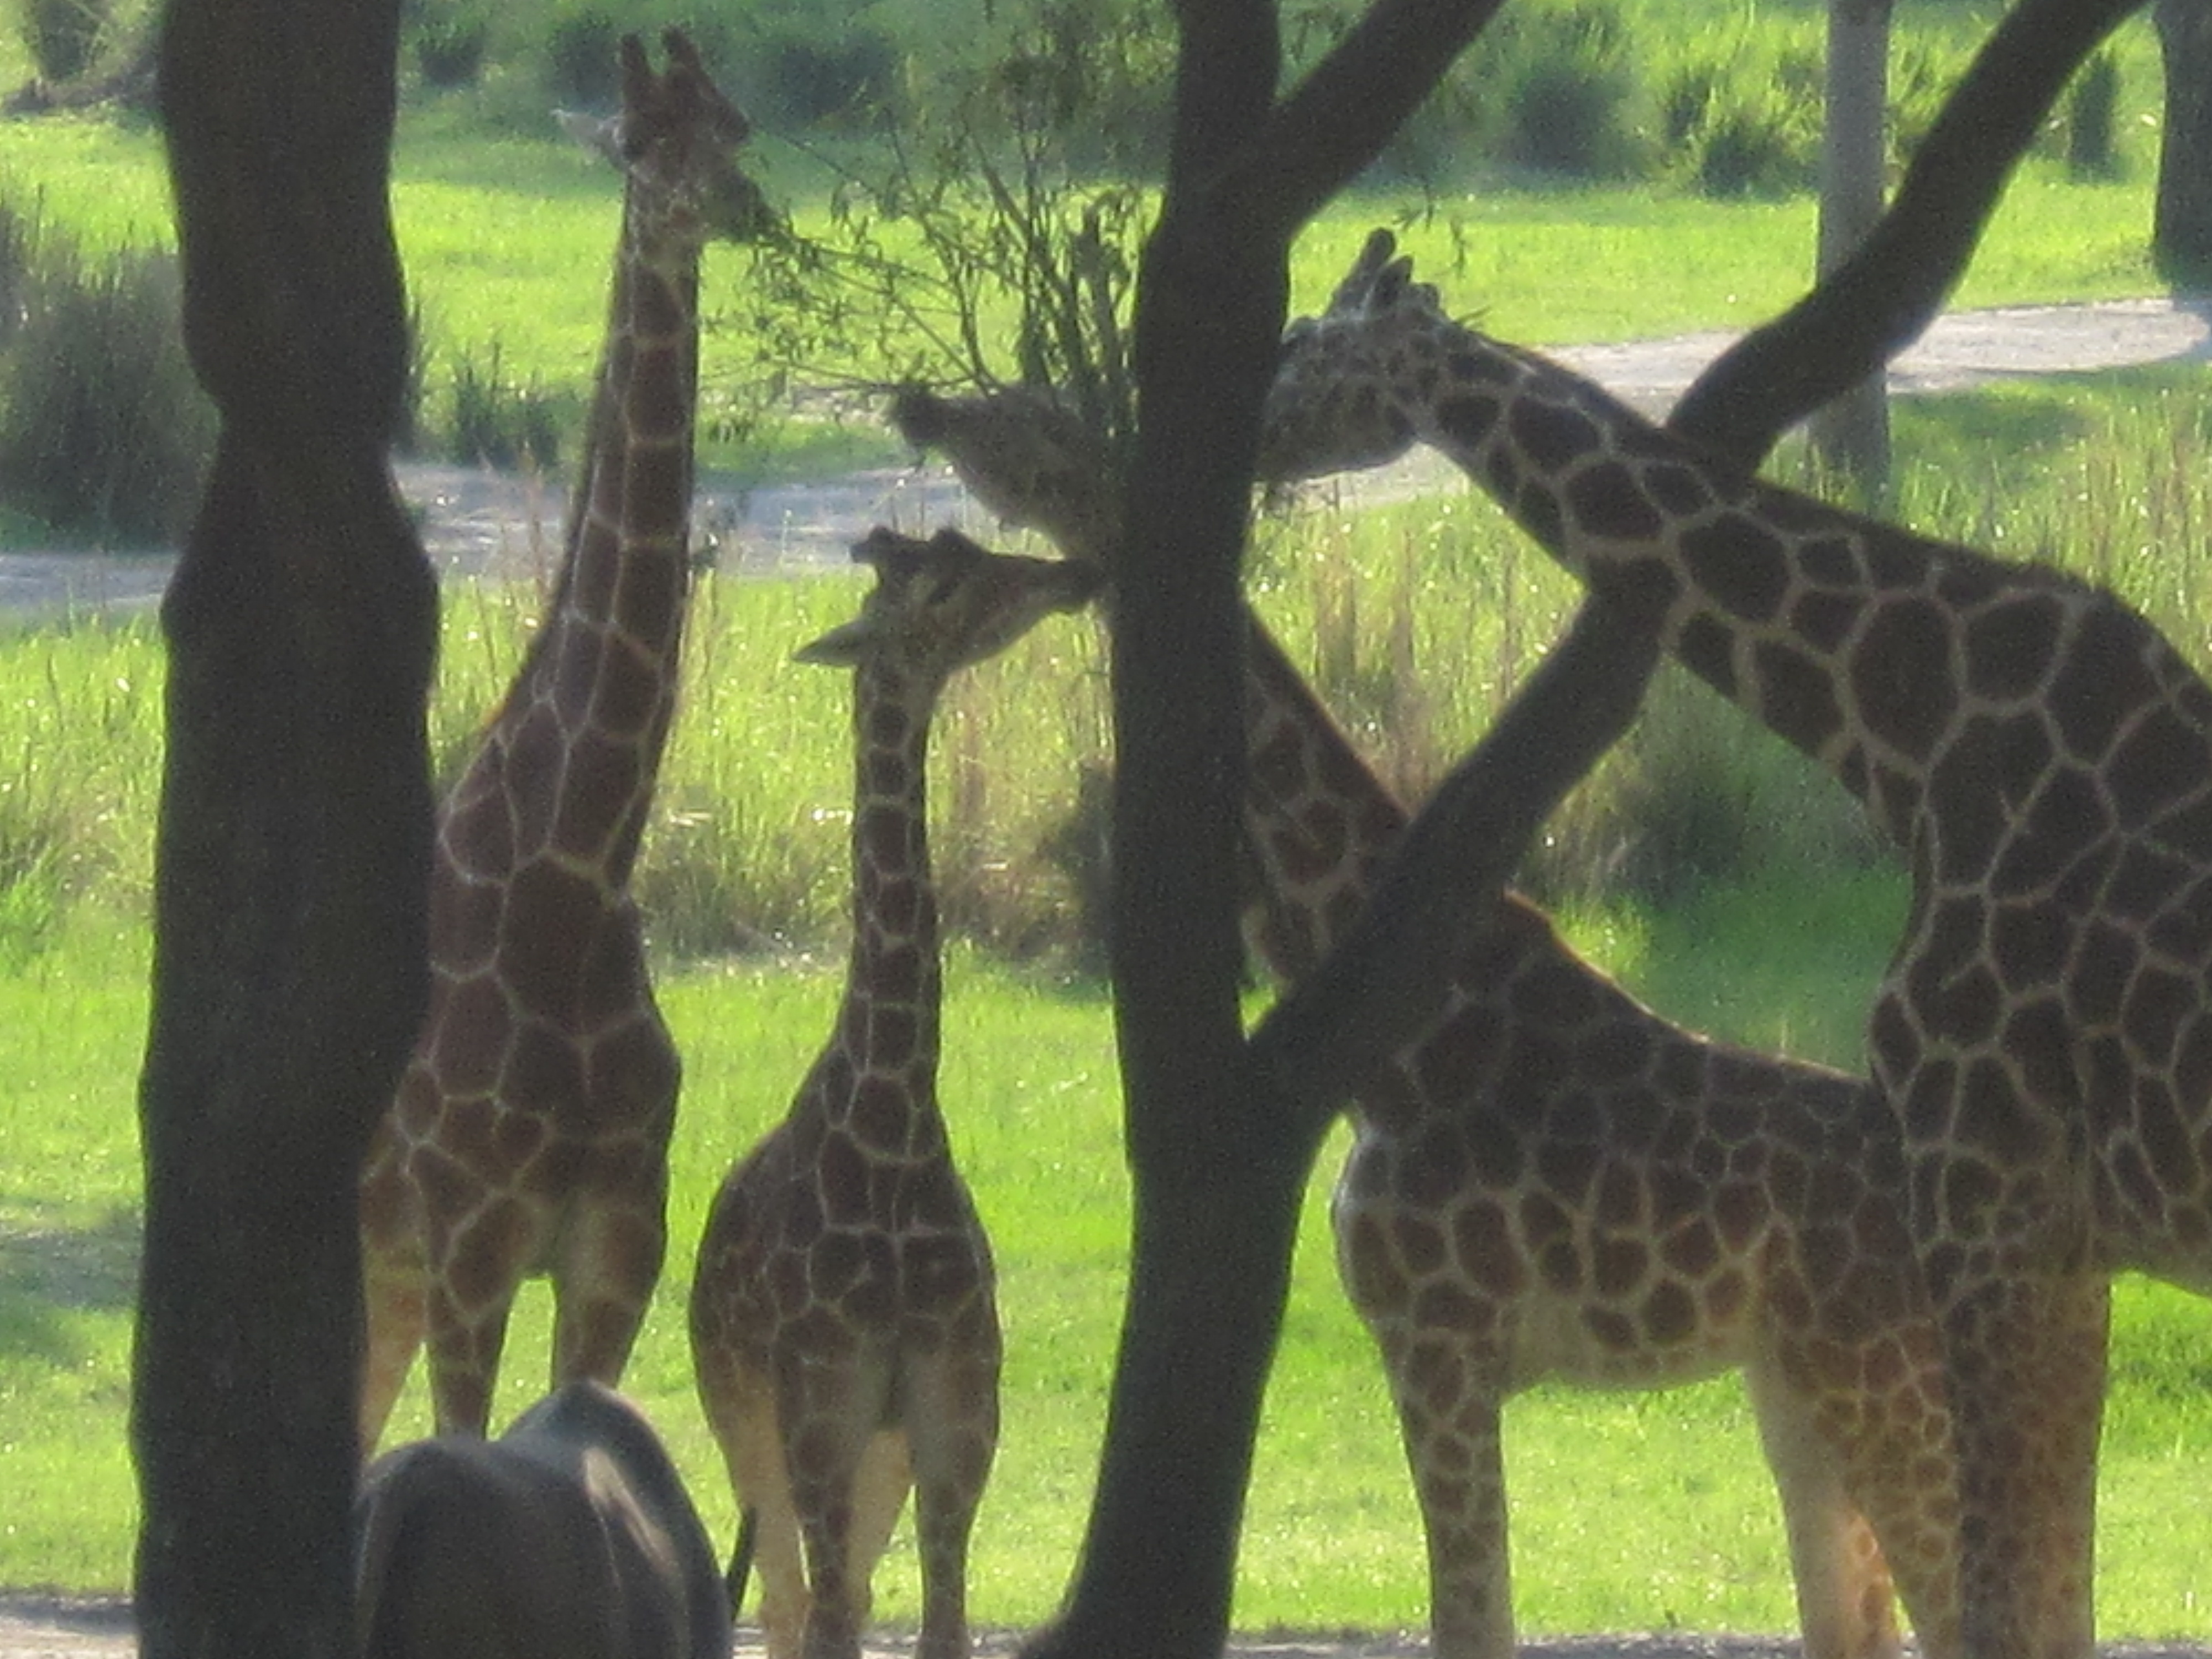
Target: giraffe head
[1026, 459]
[676, 141]
[1334, 405]
[941, 604]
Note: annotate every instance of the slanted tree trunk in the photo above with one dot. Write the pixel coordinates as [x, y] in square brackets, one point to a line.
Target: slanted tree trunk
[1851, 434]
[293, 851]
[2181, 234]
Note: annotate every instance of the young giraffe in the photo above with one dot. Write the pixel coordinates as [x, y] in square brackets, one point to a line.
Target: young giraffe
[842, 1323]
[530, 1130]
[1553, 1182]
[2042, 758]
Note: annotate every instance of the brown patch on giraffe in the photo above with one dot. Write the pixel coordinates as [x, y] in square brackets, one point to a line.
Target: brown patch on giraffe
[1900, 677]
[1739, 563]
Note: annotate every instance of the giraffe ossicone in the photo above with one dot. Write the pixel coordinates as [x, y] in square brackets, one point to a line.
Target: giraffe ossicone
[2041, 757]
[1554, 1182]
[531, 1129]
[844, 1327]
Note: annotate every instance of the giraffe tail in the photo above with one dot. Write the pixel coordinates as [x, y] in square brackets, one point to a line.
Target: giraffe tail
[741, 1558]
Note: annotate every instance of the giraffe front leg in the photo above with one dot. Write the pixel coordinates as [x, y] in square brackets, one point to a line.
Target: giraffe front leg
[952, 1423]
[1846, 1604]
[2024, 1364]
[1448, 1395]
[470, 1292]
[610, 1260]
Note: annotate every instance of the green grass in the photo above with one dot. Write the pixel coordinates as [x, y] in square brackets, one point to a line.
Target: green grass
[508, 241]
[1029, 1087]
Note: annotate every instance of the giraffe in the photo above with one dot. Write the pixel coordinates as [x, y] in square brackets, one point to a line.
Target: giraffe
[843, 1326]
[2040, 755]
[531, 1128]
[1552, 1182]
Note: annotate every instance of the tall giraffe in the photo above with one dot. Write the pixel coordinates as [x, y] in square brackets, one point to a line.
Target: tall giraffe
[2043, 758]
[530, 1130]
[843, 1326]
[1552, 1182]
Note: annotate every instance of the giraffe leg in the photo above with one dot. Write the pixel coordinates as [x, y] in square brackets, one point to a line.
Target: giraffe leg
[2025, 1366]
[1846, 1605]
[828, 1413]
[952, 1417]
[879, 1490]
[612, 1258]
[393, 1293]
[1448, 1406]
[394, 1288]
[742, 1415]
[1899, 1472]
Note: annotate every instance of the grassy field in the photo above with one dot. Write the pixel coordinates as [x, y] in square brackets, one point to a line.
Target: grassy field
[1029, 1085]
[508, 244]
[1630, 1512]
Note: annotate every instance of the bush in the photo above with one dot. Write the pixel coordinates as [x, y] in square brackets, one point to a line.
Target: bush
[2092, 104]
[449, 48]
[1572, 103]
[63, 37]
[104, 433]
[582, 63]
[500, 423]
[1755, 144]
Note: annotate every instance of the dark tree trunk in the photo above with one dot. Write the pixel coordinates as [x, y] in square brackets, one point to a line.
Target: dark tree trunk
[293, 851]
[1219, 1167]
[2181, 234]
[1851, 434]
[1874, 305]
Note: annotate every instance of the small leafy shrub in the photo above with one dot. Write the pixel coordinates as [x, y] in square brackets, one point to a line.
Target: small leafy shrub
[449, 48]
[1756, 144]
[582, 65]
[2092, 103]
[104, 433]
[1571, 104]
[849, 80]
[63, 37]
[500, 423]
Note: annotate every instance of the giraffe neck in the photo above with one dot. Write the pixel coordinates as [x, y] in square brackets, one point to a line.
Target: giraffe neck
[888, 1026]
[1318, 820]
[607, 656]
[1834, 630]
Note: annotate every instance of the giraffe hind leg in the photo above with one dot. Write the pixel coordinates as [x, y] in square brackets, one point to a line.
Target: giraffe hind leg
[1846, 1605]
[951, 1407]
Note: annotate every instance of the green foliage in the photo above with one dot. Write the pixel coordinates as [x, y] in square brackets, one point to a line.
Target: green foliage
[104, 434]
[2091, 115]
[65, 37]
[500, 422]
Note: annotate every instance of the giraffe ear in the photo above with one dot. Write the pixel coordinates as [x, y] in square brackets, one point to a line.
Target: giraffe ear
[600, 134]
[843, 647]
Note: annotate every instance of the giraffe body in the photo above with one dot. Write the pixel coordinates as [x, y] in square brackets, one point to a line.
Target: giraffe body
[1555, 1183]
[2041, 757]
[843, 1323]
[530, 1133]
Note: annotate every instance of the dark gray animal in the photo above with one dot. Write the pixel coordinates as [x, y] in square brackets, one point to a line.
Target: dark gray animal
[570, 1537]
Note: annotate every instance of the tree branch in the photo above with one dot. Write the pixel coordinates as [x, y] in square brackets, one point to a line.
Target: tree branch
[1855, 319]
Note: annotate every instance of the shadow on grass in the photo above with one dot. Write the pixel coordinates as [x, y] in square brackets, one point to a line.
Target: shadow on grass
[48, 1273]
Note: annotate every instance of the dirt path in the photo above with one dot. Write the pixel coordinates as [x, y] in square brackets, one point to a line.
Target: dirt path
[476, 521]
